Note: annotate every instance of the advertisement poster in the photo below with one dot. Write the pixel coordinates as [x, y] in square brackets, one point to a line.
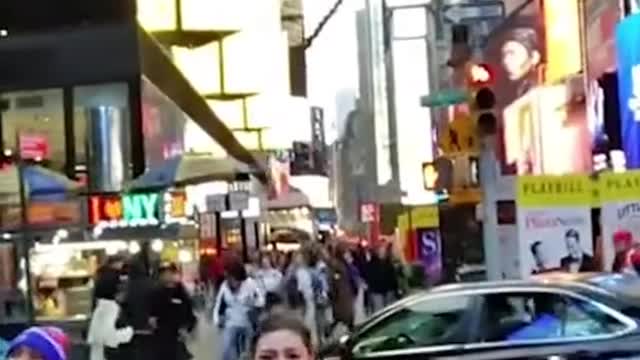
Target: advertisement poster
[516, 54]
[600, 19]
[620, 197]
[537, 122]
[508, 239]
[426, 223]
[628, 45]
[554, 224]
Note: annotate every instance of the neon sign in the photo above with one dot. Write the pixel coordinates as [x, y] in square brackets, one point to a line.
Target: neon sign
[137, 209]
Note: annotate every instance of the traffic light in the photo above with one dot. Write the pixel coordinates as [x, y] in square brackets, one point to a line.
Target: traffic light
[484, 102]
[302, 162]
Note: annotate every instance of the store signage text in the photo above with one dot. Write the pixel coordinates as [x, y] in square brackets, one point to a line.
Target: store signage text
[540, 222]
[553, 187]
[136, 209]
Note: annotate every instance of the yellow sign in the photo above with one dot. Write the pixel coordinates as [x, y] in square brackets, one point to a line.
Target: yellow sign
[426, 216]
[564, 53]
[620, 186]
[550, 191]
[459, 136]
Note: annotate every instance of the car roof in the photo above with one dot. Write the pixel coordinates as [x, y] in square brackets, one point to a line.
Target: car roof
[551, 279]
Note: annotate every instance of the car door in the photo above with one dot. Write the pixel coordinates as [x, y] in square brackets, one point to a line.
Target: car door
[436, 325]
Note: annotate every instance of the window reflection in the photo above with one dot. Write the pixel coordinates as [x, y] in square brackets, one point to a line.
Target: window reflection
[37, 119]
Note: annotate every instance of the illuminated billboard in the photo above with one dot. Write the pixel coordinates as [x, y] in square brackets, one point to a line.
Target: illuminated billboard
[564, 51]
[516, 52]
[534, 126]
[628, 45]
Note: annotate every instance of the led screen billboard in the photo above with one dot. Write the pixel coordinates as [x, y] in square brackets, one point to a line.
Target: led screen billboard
[628, 45]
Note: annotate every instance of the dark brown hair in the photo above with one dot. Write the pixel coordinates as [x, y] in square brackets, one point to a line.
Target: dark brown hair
[279, 322]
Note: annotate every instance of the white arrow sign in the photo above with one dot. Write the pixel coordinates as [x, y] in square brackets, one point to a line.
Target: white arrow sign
[469, 12]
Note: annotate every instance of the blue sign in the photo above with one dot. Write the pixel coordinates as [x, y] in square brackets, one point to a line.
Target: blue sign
[628, 45]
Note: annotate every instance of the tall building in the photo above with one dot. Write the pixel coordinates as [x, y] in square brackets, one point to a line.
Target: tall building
[392, 135]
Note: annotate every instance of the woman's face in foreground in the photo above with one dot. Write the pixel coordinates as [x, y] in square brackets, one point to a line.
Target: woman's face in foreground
[25, 353]
[282, 345]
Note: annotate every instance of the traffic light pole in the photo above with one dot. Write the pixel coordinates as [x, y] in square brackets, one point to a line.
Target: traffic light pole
[489, 174]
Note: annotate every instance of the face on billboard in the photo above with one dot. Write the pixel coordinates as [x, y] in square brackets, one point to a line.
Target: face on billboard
[519, 60]
[516, 53]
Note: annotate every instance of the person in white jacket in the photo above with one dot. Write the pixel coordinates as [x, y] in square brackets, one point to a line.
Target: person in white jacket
[235, 311]
[103, 332]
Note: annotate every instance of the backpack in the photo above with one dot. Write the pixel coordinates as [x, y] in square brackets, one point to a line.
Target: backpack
[292, 292]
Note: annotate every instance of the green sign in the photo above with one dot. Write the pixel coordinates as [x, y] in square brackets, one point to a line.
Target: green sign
[136, 207]
[444, 98]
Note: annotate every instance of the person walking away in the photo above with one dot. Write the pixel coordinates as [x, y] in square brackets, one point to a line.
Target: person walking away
[322, 278]
[171, 315]
[359, 288]
[137, 304]
[40, 343]
[384, 285]
[300, 290]
[237, 300]
[270, 281]
[104, 337]
[342, 290]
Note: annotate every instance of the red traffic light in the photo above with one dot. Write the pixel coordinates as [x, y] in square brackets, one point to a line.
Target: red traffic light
[480, 74]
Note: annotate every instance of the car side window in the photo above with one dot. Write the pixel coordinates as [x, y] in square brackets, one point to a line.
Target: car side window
[542, 316]
[434, 321]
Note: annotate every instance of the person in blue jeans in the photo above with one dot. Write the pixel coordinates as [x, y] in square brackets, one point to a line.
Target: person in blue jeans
[237, 303]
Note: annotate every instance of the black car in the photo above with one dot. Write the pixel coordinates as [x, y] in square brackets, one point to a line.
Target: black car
[553, 316]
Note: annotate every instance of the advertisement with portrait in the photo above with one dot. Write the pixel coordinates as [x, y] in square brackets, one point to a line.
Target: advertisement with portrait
[538, 121]
[554, 224]
[600, 19]
[628, 45]
[279, 173]
[620, 197]
[515, 52]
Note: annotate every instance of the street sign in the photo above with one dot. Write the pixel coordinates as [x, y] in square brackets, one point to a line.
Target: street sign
[368, 213]
[238, 200]
[216, 202]
[473, 12]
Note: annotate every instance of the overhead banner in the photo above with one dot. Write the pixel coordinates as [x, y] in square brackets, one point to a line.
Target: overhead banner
[620, 196]
[554, 224]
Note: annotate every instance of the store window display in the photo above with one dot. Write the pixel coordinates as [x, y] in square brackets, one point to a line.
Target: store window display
[63, 274]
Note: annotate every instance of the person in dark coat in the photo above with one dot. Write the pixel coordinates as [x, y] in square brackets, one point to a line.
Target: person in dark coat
[576, 260]
[107, 275]
[383, 284]
[136, 306]
[342, 290]
[171, 315]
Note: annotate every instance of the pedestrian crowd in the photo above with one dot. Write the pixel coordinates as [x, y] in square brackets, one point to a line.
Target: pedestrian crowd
[304, 298]
[330, 288]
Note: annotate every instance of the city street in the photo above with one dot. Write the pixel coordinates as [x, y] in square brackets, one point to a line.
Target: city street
[207, 343]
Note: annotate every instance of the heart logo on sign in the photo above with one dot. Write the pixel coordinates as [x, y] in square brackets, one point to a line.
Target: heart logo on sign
[113, 209]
